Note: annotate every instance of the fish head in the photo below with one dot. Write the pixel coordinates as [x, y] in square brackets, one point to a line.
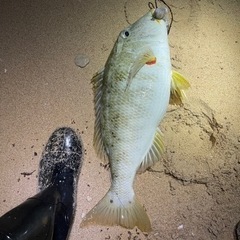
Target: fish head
[152, 27]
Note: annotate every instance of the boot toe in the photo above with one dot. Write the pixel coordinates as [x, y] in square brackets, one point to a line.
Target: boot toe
[63, 147]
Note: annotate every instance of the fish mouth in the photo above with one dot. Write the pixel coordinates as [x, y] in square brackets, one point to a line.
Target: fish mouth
[160, 13]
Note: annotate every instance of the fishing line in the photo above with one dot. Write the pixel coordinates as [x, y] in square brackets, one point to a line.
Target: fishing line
[125, 12]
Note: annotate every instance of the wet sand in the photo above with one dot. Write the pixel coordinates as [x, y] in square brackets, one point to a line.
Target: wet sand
[194, 191]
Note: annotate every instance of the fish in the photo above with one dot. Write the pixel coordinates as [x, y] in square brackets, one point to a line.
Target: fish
[131, 96]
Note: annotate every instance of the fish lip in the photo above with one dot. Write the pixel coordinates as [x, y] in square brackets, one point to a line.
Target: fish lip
[160, 13]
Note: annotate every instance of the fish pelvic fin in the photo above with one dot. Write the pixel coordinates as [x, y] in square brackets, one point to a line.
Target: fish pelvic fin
[178, 85]
[154, 153]
[111, 211]
[97, 82]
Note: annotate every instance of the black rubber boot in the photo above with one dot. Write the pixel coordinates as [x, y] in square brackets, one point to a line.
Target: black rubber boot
[33, 219]
[49, 214]
[237, 231]
[60, 166]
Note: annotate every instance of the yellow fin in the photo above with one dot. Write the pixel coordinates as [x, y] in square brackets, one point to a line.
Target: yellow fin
[142, 59]
[97, 82]
[109, 212]
[179, 84]
[154, 153]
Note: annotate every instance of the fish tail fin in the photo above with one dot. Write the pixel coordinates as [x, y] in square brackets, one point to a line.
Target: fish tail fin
[112, 211]
[178, 85]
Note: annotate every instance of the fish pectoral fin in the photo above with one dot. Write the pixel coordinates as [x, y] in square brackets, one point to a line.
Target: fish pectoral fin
[146, 57]
[109, 212]
[178, 85]
[154, 152]
[97, 82]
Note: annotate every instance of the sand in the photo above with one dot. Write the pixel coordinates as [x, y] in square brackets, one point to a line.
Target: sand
[194, 191]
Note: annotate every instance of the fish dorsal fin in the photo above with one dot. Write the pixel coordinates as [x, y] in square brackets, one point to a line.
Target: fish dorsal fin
[146, 57]
[154, 152]
[97, 82]
[178, 85]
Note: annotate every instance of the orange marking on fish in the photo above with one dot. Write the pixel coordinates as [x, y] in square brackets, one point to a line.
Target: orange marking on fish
[152, 61]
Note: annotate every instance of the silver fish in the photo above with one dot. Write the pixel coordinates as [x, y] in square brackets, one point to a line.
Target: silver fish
[132, 93]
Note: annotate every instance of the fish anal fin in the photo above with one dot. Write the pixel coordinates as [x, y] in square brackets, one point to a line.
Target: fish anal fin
[97, 82]
[154, 153]
[110, 212]
[178, 86]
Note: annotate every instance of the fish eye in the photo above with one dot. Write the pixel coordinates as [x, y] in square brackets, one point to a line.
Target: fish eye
[125, 34]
